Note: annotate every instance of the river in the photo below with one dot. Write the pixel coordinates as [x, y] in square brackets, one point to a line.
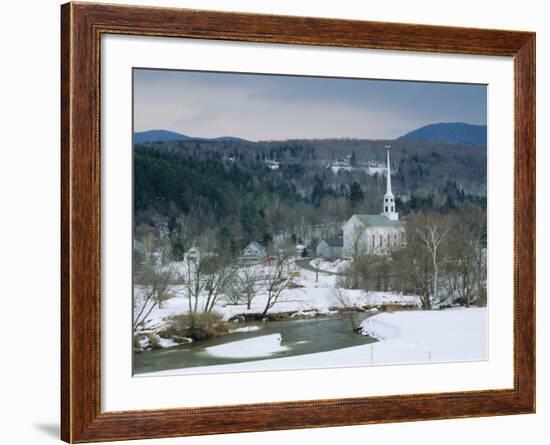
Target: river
[300, 337]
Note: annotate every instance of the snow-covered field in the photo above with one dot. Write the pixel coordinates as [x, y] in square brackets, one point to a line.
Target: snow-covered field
[429, 336]
[451, 335]
[306, 295]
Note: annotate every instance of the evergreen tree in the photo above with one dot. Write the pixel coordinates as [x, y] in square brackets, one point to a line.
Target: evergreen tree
[356, 195]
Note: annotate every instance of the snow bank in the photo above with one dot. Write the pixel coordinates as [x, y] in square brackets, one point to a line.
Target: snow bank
[166, 342]
[452, 335]
[335, 266]
[381, 298]
[245, 329]
[253, 347]
[428, 336]
[379, 329]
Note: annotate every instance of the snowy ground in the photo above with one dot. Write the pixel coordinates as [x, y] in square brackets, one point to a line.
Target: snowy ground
[336, 266]
[262, 346]
[433, 336]
[308, 295]
[451, 335]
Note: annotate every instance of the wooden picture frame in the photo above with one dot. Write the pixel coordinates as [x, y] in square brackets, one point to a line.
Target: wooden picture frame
[82, 26]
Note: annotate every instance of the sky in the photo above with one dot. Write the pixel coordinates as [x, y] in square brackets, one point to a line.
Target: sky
[274, 107]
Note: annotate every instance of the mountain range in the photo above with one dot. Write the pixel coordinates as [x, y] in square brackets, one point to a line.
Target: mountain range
[166, 135]
[450, 133]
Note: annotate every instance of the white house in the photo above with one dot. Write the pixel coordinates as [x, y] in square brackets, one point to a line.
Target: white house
[271, 164]
[330, 247]
[253, 253]
[375, 234]
[193, 254]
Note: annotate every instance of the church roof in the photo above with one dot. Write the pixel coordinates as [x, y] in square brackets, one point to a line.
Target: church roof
[378, 221]
[337, 241]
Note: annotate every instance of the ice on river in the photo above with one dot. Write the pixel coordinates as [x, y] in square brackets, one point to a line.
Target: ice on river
[262, 346]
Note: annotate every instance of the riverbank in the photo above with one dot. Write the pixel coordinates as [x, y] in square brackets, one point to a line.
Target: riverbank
[312, 294]
[451, 335]
[257, 342]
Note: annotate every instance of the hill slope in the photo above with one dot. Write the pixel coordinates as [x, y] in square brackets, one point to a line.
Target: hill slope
[158, 135]
[450, 133]
[141, 137]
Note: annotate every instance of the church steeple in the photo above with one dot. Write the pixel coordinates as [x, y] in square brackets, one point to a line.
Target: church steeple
[388, 174]
[389, 200]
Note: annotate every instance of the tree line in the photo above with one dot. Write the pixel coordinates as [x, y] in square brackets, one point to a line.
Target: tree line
[443, 260]
[184, 188]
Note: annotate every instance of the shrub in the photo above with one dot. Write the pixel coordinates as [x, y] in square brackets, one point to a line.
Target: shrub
[154, 341]
[209, 325]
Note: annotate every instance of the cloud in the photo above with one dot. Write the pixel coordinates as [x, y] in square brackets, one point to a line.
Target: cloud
[259, 107]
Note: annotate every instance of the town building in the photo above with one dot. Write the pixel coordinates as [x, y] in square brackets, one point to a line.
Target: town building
[375, 234]
[330, 247]
[253, 253]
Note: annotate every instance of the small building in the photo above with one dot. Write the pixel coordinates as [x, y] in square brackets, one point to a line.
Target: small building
[193, 254]
[330, 247]
[271, 164]
[253, 253]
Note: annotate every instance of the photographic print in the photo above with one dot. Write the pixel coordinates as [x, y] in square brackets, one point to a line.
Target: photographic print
[294, 222]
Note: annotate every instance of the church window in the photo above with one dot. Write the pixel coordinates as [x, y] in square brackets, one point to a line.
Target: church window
[381, 240]
[386, 208]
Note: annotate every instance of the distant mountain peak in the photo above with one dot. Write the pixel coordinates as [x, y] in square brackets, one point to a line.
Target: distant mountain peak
[450, 133]
[141, 137]
[158, 135]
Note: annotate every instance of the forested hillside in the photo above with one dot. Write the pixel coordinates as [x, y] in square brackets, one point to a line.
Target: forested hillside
[247, 191]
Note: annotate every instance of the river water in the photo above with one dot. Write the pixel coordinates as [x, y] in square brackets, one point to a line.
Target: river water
[307, 336]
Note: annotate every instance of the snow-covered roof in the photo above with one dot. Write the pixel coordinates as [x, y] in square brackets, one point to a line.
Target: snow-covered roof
[336, 241]
[254, 248]
[378, 221]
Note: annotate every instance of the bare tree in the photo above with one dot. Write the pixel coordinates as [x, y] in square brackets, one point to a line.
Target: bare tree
[316, 264]
[277, 280]
[412, 266]
[153, 277]
[218, 274]
[359, 247]
[194, 285]
[248, 285]
[466, 268]
[432, 231]
[349, 309]
[234, 293]
[382, 272]
[359, 271]
[478, 247]
[206, 279]
[460, 267]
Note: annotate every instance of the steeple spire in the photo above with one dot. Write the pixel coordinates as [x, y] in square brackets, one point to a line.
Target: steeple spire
[389, 200]
[388, 173]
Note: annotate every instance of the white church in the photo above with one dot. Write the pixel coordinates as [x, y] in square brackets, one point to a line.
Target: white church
[375, 234]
